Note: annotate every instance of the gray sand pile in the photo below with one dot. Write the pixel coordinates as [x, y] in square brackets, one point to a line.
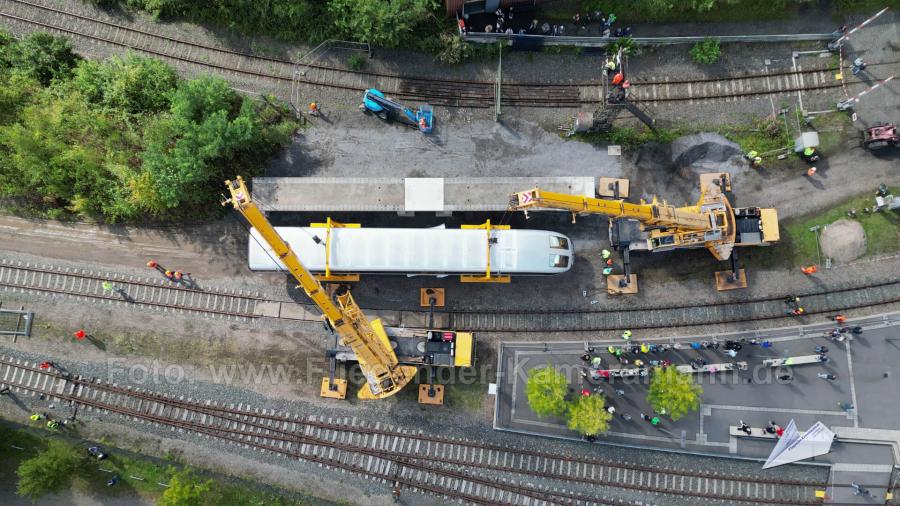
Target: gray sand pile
[843, 241]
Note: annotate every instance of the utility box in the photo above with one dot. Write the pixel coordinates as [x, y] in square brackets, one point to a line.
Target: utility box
[806, 140]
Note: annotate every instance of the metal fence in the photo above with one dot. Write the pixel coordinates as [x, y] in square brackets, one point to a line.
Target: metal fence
[549, 40]
[15, 322]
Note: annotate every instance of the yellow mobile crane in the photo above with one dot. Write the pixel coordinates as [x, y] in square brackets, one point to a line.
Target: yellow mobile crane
[711, 223]
[384, 374]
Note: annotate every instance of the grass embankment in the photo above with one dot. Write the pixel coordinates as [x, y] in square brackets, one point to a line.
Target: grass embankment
[90, 476]
[882, 228]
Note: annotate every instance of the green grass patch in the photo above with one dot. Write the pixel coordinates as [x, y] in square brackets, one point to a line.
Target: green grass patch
[631, 138]
[468, 397]
[759, 134]
[881, 228]
[833, 130]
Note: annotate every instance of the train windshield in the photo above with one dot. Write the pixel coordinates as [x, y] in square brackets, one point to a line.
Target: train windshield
[559, 261]
[559, 242]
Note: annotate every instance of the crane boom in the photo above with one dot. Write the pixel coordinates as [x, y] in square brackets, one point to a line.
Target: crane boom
[710, 223]
[650, 214]
[384, 375]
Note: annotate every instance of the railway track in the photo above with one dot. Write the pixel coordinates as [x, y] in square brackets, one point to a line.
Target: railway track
[712, 313]
[244, 306]
[460, 469]
[31, 15]
[141, 292]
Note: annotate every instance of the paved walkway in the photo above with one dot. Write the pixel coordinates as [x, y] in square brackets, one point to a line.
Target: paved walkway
[755, 396]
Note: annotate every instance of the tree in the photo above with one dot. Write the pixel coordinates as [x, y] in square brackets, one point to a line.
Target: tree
[44, 57]
[546, 391]
[380, 22]
[673, 393]
[588, 415]
[187, 490]
[49, 471]
[707, 51]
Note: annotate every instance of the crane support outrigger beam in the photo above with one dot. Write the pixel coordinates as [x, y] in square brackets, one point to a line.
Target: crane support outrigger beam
[377, 360]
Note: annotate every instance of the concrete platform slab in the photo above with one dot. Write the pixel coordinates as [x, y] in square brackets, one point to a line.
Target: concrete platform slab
[404, 195]
[757, 395]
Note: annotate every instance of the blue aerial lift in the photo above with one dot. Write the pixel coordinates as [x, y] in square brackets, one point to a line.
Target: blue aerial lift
[376, 103]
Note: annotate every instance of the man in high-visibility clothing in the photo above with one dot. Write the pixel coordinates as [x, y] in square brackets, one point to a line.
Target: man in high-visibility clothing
[36, 417]
[626, 335]
[605, 254]
[607, 271]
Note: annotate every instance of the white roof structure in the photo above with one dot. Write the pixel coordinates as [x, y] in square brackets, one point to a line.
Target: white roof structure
[794, 446]
[417, 250]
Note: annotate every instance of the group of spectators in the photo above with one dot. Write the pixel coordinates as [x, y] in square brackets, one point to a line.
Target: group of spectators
[505, 21]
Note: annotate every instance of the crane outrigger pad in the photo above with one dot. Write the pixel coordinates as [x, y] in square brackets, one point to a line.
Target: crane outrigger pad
[726, 281]
[614, 284]
[436, 400]
[606, 188]
[338, 392]
[426, 294]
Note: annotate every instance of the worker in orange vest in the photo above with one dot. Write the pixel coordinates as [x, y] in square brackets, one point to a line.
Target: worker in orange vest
[618, 78]
[812, 269]
[313, 109]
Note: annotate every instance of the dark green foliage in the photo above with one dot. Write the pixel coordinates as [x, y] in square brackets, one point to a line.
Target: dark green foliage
[389, 23]
[706, 52]
[284, 19]
[379, 22]
[44, 57]
[356, 61]
[132, 84]
[50, 471]
[124, 140]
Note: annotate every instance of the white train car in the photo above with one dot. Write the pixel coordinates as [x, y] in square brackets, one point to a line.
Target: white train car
[419, 251]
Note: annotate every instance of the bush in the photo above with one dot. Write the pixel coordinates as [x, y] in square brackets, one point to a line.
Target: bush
[626, 44]
[546, 391]
[44, 57]
[452, 49]
[706, 52]
[356, 61]
[186, 490]
[379, 22]
[49, 471]
[133, 84]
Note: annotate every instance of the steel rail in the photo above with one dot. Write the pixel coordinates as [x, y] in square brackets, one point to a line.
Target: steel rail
[452, 93]
[266, 430]
[536, 320]
[13, 284]
[245, 437]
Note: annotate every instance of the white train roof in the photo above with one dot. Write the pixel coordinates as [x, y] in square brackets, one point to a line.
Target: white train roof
[415, 250]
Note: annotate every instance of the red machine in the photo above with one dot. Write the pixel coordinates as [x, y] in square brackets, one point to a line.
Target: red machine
[882, 136]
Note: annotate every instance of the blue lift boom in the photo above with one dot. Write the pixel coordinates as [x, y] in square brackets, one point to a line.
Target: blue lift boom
[376, 103]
